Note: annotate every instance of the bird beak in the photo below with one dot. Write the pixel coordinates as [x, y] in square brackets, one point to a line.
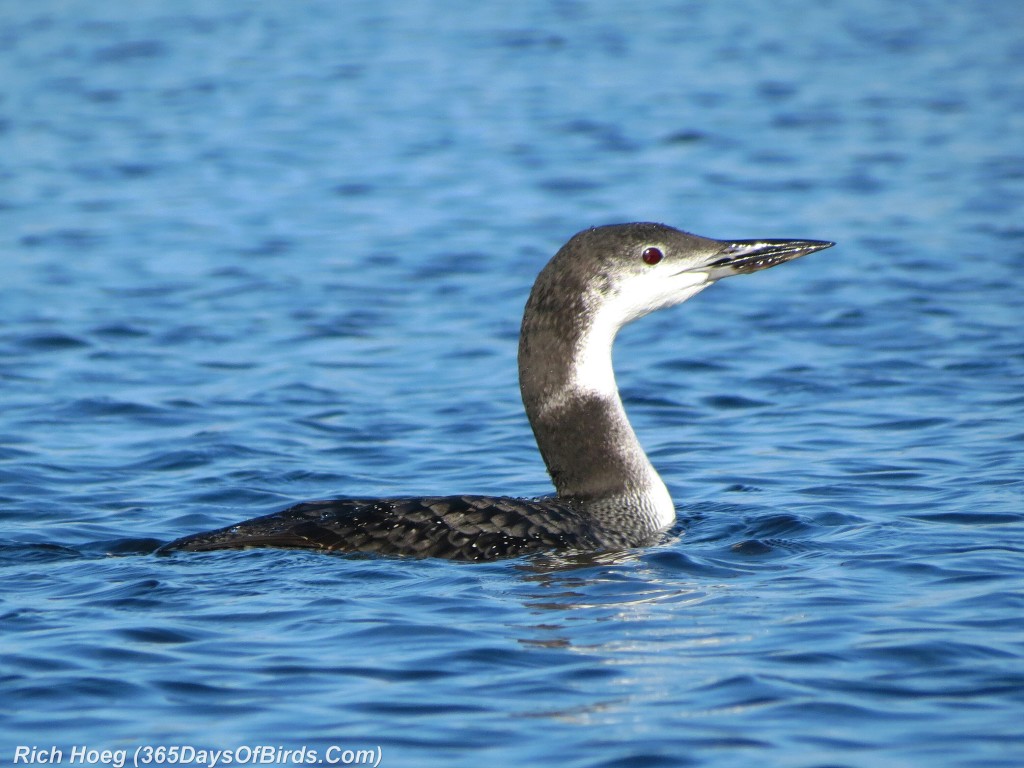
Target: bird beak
[738, 257]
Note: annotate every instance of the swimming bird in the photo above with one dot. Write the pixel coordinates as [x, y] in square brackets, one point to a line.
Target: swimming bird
[607, 493]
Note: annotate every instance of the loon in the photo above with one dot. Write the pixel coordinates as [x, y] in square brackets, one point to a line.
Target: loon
[608, 494]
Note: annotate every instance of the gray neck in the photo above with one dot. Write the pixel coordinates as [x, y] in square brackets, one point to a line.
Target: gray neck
[573, 403]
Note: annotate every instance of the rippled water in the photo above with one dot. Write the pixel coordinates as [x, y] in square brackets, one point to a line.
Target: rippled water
[254, 254]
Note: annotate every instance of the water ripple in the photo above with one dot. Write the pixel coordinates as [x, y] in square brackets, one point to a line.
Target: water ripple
[261, 255]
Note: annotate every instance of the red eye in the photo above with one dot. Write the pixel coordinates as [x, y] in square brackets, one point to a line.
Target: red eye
[652, 255]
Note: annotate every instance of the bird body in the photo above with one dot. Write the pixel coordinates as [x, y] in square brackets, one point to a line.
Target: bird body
[608, 494]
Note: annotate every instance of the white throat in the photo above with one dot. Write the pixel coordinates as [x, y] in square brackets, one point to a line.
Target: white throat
[592, 373]
[592, 369]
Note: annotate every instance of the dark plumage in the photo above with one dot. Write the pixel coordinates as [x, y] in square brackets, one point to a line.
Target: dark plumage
[455, 527]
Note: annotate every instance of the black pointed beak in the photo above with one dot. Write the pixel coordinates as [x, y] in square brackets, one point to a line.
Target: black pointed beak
[739, 257]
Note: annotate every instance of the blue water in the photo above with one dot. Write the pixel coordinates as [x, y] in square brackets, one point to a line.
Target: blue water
[252, 254]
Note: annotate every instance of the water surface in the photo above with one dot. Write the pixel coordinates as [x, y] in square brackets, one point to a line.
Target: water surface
[254, 255]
